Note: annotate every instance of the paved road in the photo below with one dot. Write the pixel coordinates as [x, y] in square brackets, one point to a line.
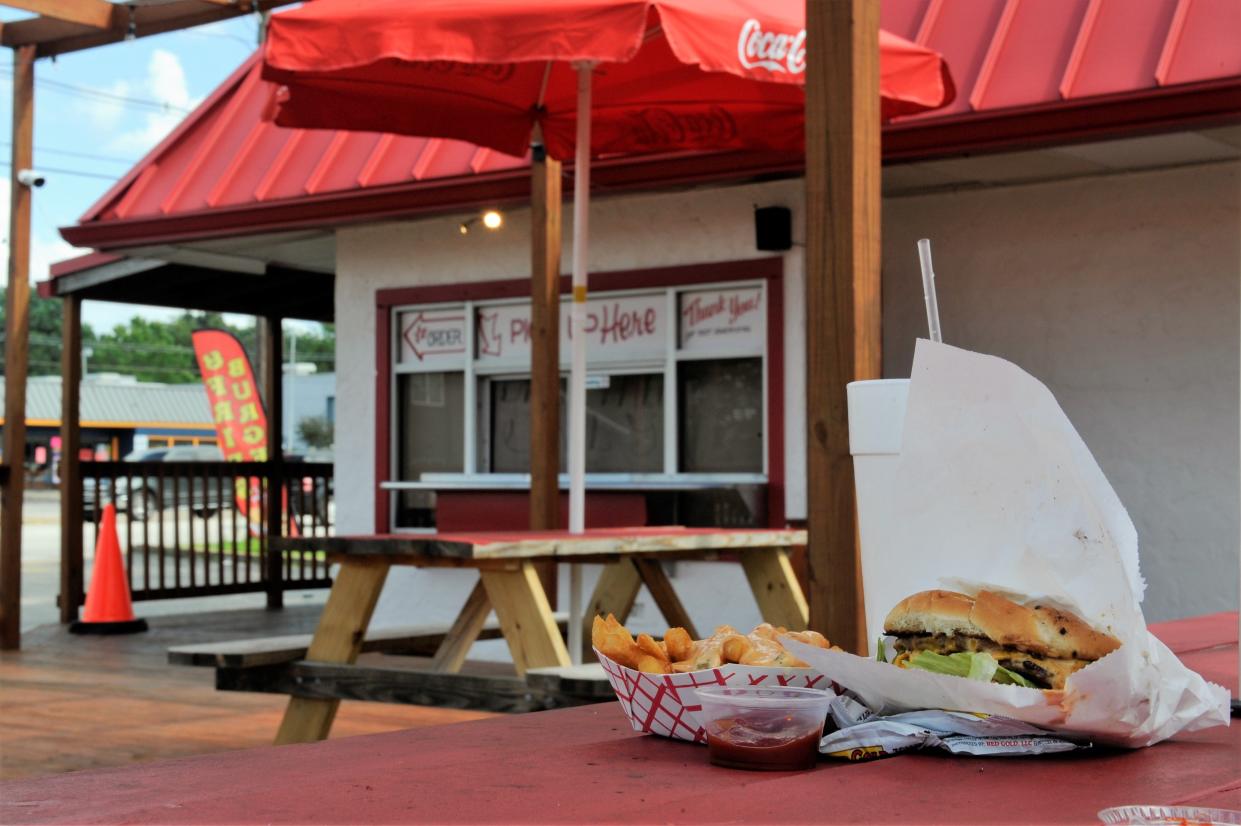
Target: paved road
[41, 572]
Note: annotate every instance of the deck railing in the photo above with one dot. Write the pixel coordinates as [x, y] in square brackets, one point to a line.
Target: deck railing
[201, 528]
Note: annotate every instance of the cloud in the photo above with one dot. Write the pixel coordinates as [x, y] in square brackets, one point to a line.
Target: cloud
[105, 115]
[164, 83]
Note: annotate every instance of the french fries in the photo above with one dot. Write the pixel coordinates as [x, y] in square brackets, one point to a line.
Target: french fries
[678, 653]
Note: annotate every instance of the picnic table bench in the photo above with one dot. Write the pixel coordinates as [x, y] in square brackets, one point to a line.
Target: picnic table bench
[585, 765]
[509, 584]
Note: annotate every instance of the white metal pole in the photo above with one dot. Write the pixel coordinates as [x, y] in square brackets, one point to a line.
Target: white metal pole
[577, 370]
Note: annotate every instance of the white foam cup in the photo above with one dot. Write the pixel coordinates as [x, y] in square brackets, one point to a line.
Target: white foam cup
[876, 423]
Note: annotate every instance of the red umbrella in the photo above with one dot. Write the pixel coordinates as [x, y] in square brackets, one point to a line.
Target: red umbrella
[663, 75]
[669, 74]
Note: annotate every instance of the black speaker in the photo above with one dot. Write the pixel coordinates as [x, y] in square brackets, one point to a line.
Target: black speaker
[773, 228]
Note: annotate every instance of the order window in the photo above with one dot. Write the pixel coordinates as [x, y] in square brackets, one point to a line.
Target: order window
[675, 386]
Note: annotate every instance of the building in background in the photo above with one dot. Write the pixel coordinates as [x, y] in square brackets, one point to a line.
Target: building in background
[1082, 193]
[119, 415]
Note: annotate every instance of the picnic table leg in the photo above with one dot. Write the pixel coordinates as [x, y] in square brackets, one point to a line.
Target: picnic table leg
[525, 617]
[657, 582]
[337, 639]
[450, 656]
[615, 593]
[775, 586]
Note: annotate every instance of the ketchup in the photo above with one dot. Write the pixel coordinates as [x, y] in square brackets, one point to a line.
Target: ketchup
[767, 745]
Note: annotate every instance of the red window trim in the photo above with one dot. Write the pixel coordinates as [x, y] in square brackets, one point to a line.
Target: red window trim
[770, 269]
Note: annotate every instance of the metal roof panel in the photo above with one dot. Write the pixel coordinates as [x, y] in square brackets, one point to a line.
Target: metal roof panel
[1019, 59]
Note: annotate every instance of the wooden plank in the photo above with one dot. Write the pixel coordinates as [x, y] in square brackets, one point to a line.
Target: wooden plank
[16, 352]
[545, 201]
[420, 640]
[615, 592]
[71, 565]
[450, 655]
[526, 618]
[97, 14]
[561, 545]
[657, 582]
[323, 682]
[271, 370]
[776, 589]
[337, 640]
[842, 291]
[54, 37]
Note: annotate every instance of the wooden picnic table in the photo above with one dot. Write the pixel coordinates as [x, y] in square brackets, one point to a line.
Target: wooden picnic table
[585, 765]
[509, 584]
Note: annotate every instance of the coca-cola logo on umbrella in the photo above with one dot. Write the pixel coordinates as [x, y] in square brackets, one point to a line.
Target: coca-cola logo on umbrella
[656, 127]
[774, 51]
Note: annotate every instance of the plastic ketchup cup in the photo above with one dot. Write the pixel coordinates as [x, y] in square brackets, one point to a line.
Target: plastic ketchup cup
[767, 729]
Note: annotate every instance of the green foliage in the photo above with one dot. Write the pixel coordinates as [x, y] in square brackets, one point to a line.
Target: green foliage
[157, 351]
[316, 431]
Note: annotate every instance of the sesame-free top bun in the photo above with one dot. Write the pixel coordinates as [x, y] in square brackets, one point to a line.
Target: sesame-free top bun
[1039, 629]
[933, 612]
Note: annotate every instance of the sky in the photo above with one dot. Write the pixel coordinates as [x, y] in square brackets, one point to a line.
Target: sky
[98, 112]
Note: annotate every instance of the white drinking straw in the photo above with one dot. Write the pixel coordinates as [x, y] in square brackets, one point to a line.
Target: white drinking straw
[928, 290]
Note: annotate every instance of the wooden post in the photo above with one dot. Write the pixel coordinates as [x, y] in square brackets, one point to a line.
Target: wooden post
[271, 348]
[545, 177]
[842, 291]
[16, 341]
[70, 463]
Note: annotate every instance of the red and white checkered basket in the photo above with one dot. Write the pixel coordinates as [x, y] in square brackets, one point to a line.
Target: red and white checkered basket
[667, 704]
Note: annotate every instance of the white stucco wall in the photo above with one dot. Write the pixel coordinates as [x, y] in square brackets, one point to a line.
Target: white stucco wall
[1120, 292]
[635, 232]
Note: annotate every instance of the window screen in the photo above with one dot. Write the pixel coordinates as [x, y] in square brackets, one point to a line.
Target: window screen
[431, 426]
[624, 425]
[721, 416]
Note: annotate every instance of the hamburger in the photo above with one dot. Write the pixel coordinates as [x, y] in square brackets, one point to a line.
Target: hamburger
[990, 637]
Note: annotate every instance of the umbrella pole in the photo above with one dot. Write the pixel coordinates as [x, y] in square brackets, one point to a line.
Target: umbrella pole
[577, 370]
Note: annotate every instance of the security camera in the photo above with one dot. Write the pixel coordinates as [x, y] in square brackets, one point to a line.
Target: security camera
[28, 177]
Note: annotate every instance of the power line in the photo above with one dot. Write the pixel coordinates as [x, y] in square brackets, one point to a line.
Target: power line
[100, 95]
[68, 153]
[60, 171]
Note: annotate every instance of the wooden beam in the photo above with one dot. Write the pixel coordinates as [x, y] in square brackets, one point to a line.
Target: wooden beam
[95, 13]
[272, 358]
[55, 37]
[16, 339]
[338, 639]
[545, 201]
[842, 291]
[71, 567]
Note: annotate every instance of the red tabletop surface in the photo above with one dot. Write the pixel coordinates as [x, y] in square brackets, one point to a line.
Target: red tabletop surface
[586, 765]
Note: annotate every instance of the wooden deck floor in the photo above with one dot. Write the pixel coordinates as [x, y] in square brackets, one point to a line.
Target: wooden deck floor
[71, 702]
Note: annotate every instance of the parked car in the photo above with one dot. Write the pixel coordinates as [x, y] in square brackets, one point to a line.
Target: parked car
[90, 506]
[146, 493]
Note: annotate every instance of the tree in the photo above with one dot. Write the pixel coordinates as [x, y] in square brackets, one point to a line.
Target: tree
[316, 431]
[45, 323]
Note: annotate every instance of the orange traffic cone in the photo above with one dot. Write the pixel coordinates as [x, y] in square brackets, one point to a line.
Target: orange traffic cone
[108, 609]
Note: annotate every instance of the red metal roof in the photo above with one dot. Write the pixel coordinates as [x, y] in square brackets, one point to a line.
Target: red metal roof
[1027, 72]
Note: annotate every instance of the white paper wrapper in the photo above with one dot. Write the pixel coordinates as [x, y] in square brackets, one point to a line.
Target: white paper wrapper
[995, 489]
[667, 704]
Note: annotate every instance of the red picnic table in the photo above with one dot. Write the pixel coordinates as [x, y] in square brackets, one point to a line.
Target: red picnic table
[585, 765]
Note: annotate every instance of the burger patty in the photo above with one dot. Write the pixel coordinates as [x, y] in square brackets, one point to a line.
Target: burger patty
[1045, 672]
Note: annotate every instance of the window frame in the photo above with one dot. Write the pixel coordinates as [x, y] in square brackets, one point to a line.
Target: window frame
[764, 273]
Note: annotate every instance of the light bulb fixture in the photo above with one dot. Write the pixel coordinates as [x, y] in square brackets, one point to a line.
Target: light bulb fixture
[491, 219]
